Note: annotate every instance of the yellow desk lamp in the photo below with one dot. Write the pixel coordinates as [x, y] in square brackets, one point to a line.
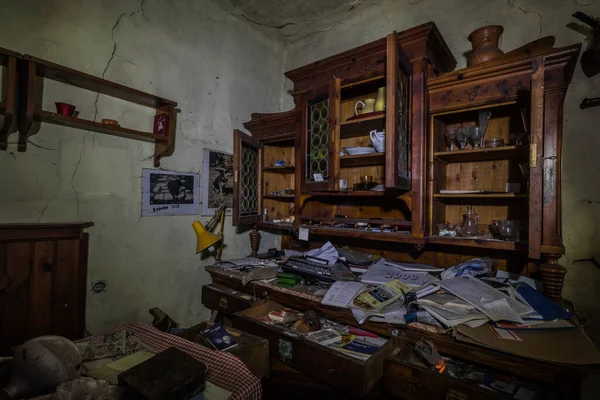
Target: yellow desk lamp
[207, 239]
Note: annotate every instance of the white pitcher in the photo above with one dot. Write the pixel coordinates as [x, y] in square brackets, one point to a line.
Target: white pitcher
[378, 140]
[367, 106]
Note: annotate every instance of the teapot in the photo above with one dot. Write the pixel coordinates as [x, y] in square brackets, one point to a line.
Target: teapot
[378, 140]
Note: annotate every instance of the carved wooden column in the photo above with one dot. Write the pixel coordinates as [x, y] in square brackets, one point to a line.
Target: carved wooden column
[254, 241]
[553, 276]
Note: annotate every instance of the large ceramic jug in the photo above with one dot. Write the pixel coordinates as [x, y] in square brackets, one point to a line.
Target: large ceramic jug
[380, 100]
[378, 140]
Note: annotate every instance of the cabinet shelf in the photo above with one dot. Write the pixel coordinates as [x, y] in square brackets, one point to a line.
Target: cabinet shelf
[362, 160]
[362, 234]
[358, 193]
[282, 197]
[284, 226]
[485, 154]
[79, 123]
[362, 126]
[483, 242]
[480, 196]
[402, 224]
[281, 170]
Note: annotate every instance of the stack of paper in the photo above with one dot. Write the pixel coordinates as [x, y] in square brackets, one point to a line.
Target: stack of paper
[491, 302]
[449, 310]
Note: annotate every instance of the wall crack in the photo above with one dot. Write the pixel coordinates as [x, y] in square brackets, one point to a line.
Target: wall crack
[261, 23]
[43, 211]
[541, 19]
[140, 10]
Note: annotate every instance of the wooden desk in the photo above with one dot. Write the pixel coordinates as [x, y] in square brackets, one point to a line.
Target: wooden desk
[564, 380]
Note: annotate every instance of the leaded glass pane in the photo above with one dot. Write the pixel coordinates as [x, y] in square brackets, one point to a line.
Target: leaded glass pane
[402, 121]
[249, 182]
[318, 140]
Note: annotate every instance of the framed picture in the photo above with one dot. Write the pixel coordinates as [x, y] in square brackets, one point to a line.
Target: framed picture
[217, 181]
[169, 193]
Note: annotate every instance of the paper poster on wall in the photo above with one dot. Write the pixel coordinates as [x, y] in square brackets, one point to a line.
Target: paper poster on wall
[169, 193]
[217, 181]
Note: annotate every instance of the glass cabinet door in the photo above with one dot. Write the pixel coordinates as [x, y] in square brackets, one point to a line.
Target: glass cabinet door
[397, 142]
[319, 126]
[247, 196]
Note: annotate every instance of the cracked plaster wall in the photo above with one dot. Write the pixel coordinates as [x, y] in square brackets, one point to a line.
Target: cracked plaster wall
[523, 22]
[218, 67]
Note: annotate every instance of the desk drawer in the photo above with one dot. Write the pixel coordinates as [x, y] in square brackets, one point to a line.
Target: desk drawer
[226, 300]
[406, 376]
[252, 350]
[332, 367]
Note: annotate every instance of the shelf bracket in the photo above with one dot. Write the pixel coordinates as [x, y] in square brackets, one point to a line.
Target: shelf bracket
[27, 103]
[165, 148]
[10, 102]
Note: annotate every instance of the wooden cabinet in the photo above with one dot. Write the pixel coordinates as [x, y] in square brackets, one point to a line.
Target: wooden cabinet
[326, 93]
[422, 180]
[525, 98]
[44, 270]
[260, 184]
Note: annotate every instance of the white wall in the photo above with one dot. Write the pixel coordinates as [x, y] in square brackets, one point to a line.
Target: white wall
[218, 68]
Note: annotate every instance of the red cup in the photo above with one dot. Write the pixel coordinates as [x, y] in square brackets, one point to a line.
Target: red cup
[65, 109]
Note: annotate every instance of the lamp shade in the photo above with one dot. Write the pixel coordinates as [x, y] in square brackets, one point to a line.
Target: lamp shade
[206, 239]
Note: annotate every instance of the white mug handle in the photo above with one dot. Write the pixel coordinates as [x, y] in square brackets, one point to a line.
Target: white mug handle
[373, 135]
[356, 107]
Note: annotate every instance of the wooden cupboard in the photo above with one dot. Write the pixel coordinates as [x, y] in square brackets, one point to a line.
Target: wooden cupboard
[423, 99]
[43, 275]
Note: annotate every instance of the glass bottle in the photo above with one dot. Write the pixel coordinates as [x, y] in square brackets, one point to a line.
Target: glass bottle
[470, 223]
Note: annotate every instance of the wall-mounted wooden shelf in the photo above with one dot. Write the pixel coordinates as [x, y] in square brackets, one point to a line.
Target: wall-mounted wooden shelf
[36, 67]
[281, 170]
[362, 160]
[73, 122]
[8, 59]
[282, 197]
[485, 154]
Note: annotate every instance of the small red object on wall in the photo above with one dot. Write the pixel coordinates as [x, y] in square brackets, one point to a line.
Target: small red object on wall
[160, 124]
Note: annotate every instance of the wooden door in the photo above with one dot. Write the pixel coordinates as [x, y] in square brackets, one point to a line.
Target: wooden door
[397, 126]
[535, 159]
[320, 126]
[247, 176]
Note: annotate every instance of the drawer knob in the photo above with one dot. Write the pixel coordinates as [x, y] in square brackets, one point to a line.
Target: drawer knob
[330, 371]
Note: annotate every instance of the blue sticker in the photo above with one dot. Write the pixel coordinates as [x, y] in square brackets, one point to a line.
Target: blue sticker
[285, 349]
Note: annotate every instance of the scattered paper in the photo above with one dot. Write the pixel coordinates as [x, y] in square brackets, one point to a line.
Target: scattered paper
[415, 267]
[483, 297]
[303, 234]
[340, 294]
[326, 252]
[380, 273]
[505, 334]
[500, 310]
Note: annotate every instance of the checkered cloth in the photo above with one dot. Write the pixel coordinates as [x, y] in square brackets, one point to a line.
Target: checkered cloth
[224, 369]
